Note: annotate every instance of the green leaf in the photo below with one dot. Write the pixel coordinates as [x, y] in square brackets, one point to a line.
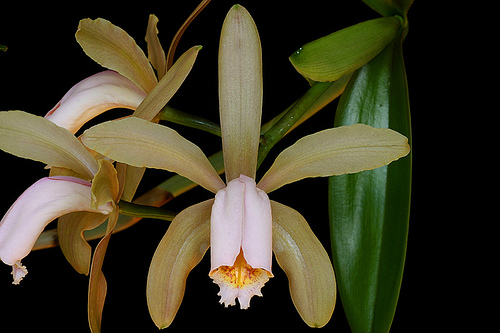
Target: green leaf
[342, 52]
[369, 211]
[390, 7]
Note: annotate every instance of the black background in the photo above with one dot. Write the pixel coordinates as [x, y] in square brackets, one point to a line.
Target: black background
[44, 61]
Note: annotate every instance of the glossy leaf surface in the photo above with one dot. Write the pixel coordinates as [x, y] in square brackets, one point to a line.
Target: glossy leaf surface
[342, 52]
[390, 7]
[369, 211]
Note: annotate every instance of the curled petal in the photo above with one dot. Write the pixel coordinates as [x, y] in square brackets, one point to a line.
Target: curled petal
[335, 151]
[18, 272]
[41, 203]
[156, 55]
[241, 241]
[306, 264]
[180, 250]
[93, 96]
[71, 237]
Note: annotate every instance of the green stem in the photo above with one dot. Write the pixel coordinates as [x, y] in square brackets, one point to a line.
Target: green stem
[143, 211]
[318, 95]
[173, 115]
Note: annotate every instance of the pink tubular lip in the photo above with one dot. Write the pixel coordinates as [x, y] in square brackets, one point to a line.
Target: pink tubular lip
[71, 179]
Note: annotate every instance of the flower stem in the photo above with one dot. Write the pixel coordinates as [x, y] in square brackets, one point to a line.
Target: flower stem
[318, 95]
[144, 211]
[173, 115]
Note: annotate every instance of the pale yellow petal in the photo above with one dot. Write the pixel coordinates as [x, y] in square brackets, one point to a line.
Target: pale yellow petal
[156, 55]
[168, 85]
[111, 47]
[335, 151]
[70, 234]
[104, 185]
[306, 264]
[240, 92]
[142, 143]
[29, 136]
[180, 250]
[97, 282]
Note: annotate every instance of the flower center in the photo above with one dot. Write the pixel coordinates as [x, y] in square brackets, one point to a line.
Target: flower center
[240, 281]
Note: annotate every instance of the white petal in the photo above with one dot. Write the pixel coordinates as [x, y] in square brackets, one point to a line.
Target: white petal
[41, 203]
[226, 225]
[93, 96]
[257, 226]
[18, 272]
[241, 241]
[241, 220]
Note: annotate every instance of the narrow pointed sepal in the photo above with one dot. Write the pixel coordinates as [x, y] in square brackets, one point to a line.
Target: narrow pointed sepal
[168, 85]
[306, 264]
[240, 92]
[29, 136]
[142, 143]
[335, 151]
[70, 234]
[156, 54]
[180, 250]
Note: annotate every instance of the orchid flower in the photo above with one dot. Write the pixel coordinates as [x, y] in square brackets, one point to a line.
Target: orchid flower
[79, 182]
[29, 136]
[129, 82]
[242, 225]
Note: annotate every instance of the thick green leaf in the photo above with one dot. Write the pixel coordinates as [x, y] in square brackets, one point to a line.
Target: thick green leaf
[369, 211]
[342, 52]
[390, 7]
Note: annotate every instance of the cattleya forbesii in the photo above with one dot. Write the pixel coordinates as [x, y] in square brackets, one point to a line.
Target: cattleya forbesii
[83, 189]
[241, 225]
